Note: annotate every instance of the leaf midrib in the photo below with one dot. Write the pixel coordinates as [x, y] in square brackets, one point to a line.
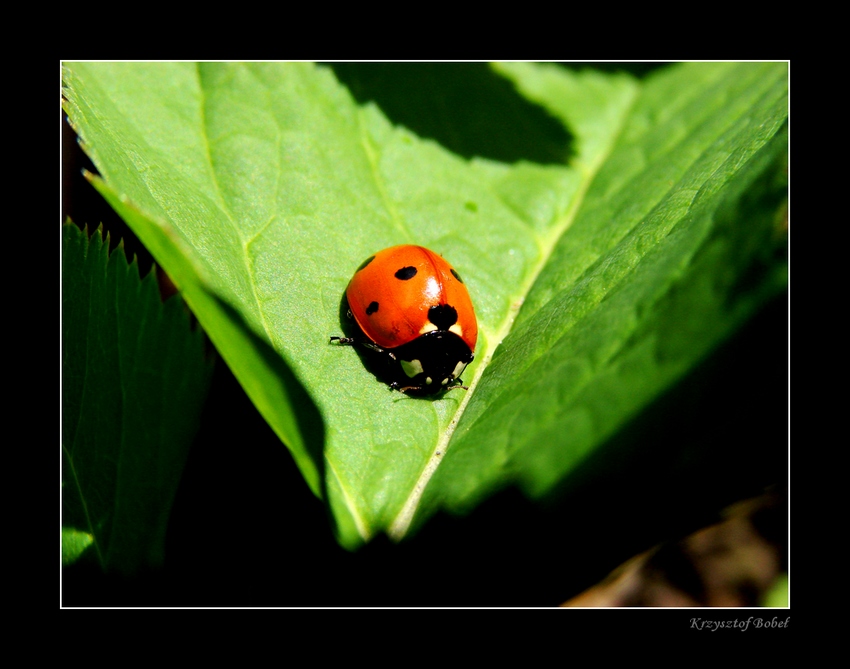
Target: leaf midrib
[400, 525]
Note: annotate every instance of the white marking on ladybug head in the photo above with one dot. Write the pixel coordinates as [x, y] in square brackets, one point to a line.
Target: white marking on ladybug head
[456, 329]
[428, 381]
[428, 327]
[411, 367]
[458, 370]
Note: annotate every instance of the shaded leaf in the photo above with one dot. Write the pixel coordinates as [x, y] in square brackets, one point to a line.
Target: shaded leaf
[134, 381]
[74, 544]
[778, 597]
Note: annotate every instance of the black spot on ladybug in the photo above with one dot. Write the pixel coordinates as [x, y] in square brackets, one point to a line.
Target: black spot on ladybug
[372, 308]
[442, 315]
[365, 262]
[405, 273]
[456, 275]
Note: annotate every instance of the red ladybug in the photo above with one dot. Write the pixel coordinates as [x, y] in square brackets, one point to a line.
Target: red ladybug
[413, 310]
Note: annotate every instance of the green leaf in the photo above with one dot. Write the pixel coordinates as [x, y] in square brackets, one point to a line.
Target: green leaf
[777, 596]
[134, 381]
[597, 284]
[74, 544]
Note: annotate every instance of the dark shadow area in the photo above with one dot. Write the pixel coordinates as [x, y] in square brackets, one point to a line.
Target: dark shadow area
[465, 107]
[311, 426]
[246, 531]
[717, 437]
[244, 523]
[375, 363]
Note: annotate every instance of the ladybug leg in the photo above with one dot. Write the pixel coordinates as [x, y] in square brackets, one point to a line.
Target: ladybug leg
[395, 385]
[363, 342]
[344, 340]
[373, 346]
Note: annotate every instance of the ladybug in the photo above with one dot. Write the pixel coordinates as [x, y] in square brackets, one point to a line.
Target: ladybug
[415, 313]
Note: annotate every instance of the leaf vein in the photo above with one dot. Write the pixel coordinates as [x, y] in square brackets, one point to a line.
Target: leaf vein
[371, 157]
[399, 526]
